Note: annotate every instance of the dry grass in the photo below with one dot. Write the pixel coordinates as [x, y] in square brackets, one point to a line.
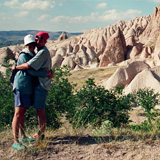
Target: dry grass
[67, 140]
[99, 74]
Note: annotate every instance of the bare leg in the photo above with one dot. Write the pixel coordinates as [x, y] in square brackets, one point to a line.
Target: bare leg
[42, 120]
[18, 120]
[21, 127]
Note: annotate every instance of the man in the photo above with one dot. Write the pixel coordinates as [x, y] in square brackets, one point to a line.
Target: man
[42, 60]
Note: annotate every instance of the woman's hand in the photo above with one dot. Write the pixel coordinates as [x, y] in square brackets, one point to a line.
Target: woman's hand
[13, 67]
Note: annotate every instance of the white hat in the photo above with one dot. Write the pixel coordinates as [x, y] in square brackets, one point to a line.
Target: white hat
[29, 39]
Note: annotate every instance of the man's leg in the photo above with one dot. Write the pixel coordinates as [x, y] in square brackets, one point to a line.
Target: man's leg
[40, 96]
[17, 122]
[42, 120]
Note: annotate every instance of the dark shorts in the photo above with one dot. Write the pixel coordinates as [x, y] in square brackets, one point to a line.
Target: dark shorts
[23, 100]
[39, 98]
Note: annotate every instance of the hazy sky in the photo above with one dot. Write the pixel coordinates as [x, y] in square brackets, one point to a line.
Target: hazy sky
[70, 15]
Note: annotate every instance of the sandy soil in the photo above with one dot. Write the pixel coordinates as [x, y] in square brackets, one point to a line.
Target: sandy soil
[87, 148]
[127, 150]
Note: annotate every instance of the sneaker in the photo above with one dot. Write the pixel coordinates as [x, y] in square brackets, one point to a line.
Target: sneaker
[39, 136]
[27, 139]
[18, 146]
[36, 144]
[34, 136]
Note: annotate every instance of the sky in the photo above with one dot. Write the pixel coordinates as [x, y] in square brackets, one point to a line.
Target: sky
[70, 15]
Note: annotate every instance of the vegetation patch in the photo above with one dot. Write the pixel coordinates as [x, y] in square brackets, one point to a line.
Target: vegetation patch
[90, 114]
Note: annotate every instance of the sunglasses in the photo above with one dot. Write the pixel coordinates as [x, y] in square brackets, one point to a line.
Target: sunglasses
[38, 37]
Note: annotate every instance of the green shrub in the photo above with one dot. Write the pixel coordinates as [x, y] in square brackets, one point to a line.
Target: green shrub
[91, 105]
[143, 127]
[148, 99]
[94, 105]
[60, 97]
[146, 126]
[31, 118]
[6, 102]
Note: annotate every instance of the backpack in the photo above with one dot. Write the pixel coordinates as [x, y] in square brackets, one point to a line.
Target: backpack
[14, 71]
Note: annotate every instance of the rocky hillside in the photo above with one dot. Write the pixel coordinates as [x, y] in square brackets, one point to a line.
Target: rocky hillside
[129, 44]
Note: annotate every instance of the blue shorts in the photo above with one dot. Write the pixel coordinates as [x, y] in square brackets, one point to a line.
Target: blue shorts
[39, 97]
[22, 100]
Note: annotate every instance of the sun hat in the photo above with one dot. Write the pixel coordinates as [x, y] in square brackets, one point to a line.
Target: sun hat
[45, 35]
[29, 39]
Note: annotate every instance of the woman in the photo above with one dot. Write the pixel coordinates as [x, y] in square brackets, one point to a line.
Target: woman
[23, 88]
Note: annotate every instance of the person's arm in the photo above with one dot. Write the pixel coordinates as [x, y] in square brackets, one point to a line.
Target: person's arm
[39, 73]
[26, 66]
[23, 66]
[36, 62]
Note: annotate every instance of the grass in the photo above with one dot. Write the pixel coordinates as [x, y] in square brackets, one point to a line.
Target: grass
[99, 74]
[57, 140]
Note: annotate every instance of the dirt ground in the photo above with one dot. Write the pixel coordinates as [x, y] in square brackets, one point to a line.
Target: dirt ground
[88, 147]
[125, 150]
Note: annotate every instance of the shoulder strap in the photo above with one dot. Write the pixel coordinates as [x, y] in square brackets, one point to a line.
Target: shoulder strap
[22, 53]
[25, 54]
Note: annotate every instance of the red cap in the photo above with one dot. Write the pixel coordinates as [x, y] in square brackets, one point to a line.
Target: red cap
[45, 35]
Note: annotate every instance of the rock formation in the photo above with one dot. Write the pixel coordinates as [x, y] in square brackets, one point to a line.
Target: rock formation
[152, 29]
[68, 61]
[123, 76]
[63, 36]
[109, 45]
[57, 61]
[5, 54]
[115, 50]
[144, 79]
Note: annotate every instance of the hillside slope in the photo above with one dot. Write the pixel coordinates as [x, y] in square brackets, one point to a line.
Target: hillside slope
[8, 38]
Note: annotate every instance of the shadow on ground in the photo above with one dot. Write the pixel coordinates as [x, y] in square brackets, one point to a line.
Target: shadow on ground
[89, 140]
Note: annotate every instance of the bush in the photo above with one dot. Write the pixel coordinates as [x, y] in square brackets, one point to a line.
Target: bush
[60, 97]
[146, 126]
[6, 102]
[94, 105]
[91, 105]
[148, 99]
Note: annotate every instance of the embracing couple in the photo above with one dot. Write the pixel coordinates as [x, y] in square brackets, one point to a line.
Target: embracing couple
[31, 84]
